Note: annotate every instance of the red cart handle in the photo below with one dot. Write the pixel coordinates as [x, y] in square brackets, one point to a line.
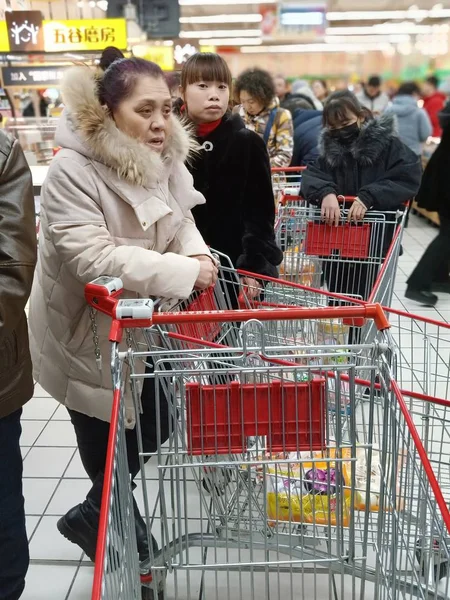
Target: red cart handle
[288, 169]
[103, 295]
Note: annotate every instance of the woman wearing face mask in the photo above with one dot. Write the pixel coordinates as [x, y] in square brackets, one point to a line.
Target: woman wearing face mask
[363, 157]
[232, 171]
[117, 201]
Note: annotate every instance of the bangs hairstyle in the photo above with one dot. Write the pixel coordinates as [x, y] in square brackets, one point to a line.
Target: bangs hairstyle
[205, 66]
[342, 106]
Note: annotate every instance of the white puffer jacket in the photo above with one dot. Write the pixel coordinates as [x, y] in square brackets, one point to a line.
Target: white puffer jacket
[110, 206]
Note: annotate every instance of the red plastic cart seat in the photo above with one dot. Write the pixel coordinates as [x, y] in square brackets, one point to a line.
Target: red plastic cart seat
[221, 417]
[344, 241]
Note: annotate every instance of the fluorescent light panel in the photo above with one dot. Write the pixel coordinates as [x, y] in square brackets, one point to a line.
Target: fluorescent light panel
[222, 2]
[230, 41]
[213, 33]
[213, 19]
[378, 15]
[306, 48]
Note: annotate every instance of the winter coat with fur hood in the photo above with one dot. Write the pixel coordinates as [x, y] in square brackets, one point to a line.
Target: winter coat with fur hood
[377, 167]
[110, 206]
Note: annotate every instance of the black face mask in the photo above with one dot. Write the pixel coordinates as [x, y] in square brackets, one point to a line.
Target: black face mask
[346, 135]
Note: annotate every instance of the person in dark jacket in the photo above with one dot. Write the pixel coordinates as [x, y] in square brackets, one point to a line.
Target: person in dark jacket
[232, 171]
[17, 262]
[307, 128]
[359, 156]
[432, 272]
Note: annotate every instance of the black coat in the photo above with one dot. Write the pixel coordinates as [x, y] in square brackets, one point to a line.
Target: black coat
[378, 168]
[307, 128]
[238, 217]
[434, 193]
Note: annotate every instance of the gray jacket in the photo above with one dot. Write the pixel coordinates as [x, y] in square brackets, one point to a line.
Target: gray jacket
[377, 105]
[414, 125]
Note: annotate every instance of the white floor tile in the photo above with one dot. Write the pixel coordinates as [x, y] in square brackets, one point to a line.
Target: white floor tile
[58, 433]
[76, 468]
[31, 521]
[37, 494]
[39, 408]
[47, 462]
[31, 431]
[69, 493]
[48, 582]
[49, 544]
[82, 586]
[61, 414]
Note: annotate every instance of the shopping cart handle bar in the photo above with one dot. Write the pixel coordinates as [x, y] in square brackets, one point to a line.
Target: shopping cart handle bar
[368, 311]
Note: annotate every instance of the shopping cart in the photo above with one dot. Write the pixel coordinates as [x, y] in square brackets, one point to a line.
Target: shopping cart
[286, 474]
[287, 180]
[347, 257]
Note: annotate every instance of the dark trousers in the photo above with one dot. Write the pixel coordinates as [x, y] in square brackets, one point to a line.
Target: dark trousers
[92, 436]
[14, 556]
[433, 267]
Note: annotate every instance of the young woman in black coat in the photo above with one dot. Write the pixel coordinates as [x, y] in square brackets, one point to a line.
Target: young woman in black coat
[232, 171]
[363, 157]
[432, 272]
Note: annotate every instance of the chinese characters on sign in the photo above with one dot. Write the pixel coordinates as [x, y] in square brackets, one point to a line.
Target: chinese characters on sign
[78, 35]
[32, 76]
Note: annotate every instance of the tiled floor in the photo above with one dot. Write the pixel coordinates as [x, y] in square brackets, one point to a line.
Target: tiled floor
[54, 479]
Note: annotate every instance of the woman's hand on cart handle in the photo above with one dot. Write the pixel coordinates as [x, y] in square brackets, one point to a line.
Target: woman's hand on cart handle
[251, 288]
[208, 272]
[330, 210]
[357, 211]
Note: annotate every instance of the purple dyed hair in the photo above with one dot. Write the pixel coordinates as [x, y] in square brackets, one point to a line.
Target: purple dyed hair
[120, 77]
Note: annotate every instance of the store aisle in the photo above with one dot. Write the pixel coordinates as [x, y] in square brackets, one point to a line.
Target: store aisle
[54, 479]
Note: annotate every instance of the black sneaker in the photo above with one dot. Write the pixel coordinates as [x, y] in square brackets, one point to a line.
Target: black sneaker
[422, 297]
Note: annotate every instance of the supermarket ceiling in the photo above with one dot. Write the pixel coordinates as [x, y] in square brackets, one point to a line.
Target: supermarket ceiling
[290, 25]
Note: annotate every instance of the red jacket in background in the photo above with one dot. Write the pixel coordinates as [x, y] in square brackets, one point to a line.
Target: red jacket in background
[433, 105]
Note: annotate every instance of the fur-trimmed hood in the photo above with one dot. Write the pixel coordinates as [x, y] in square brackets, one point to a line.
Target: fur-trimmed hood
[87, 128]
[375, 137]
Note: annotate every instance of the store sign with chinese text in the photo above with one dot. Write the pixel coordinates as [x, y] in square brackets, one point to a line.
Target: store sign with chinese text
[81, 35]
[41, 77]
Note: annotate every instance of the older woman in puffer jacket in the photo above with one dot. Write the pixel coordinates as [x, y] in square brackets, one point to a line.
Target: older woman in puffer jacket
[117, 201]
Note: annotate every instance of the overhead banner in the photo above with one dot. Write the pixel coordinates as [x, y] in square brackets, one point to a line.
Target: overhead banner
[26, 32]
[299, 20]
[41, 77]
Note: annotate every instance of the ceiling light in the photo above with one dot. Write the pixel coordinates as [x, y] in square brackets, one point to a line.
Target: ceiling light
[380, 15]
[92, 3]
[302, 18]
[210, 19]
[221, 2]
[384, 29]
[221, 33]
[103, 5]
[368, 39]
[307, 48]
[231, 41]
[80, 4]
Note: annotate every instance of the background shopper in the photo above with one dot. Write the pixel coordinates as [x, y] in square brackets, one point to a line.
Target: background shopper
[414, 125]
[17, 262]
[433, 102]
[372, 96]
[260, 109]
[432, 272]
[117, 201]
[232, 170]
